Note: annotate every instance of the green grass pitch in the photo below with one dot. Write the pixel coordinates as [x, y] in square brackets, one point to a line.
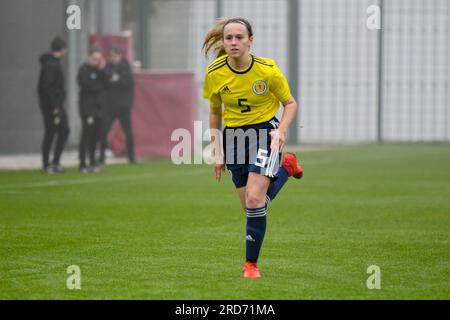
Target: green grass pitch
[160, 231]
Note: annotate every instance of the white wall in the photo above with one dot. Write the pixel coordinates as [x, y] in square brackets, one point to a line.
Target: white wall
[338, 65]
[417, 70]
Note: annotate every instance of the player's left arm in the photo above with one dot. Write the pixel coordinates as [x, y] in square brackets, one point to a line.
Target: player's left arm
[280, 88]
[279, 135]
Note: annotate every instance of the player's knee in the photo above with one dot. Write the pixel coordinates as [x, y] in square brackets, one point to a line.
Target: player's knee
[253, 200]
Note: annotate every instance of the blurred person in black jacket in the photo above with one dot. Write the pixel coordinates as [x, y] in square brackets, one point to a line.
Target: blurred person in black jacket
[92, 81]
[119, 97]
[52, 95]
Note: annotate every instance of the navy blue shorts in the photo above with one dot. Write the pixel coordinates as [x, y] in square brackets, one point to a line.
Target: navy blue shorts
[247, 149]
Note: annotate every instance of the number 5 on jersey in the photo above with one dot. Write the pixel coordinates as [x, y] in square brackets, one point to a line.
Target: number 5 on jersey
[242, 104]
[261, 158]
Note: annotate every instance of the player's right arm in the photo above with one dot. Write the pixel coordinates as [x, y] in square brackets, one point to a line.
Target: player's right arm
[215, 124]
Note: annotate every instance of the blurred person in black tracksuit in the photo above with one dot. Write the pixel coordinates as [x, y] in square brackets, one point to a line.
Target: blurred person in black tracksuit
[92, 81]
[52, 95]
[119, 95]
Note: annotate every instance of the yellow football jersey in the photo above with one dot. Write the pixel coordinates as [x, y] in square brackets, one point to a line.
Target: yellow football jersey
[250, 96]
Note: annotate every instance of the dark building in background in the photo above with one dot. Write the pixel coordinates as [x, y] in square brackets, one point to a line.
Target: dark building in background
[26, 30]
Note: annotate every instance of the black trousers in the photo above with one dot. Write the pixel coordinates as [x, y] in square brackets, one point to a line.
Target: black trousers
[124, 116]
[90, 134]
[55, 125]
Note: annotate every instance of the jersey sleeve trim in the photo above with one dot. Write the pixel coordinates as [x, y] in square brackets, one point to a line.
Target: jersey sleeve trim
[261, 61]
[216, 62]
[220, 65]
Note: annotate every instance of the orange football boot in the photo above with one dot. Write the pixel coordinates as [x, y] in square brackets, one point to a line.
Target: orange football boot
[251, 270]
[291, 165]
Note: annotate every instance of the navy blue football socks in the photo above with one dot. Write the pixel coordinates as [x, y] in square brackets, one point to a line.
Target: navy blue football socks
[276, 186]
[257, 219]
[256, 229]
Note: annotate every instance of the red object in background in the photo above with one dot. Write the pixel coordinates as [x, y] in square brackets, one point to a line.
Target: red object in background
[116, 139]
[163, 103]
[123, 40]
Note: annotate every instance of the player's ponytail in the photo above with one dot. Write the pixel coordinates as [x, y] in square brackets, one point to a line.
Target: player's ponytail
[214, 37]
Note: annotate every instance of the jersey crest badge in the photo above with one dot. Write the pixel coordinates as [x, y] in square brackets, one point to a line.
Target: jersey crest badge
[259, 87]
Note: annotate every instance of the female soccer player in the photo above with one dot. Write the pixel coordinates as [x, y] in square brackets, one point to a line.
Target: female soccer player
[250, 88]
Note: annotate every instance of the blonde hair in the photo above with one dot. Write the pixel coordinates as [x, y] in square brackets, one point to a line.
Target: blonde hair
[214, 37]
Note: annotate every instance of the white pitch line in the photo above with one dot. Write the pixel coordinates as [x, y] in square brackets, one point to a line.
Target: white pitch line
[52, 183]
